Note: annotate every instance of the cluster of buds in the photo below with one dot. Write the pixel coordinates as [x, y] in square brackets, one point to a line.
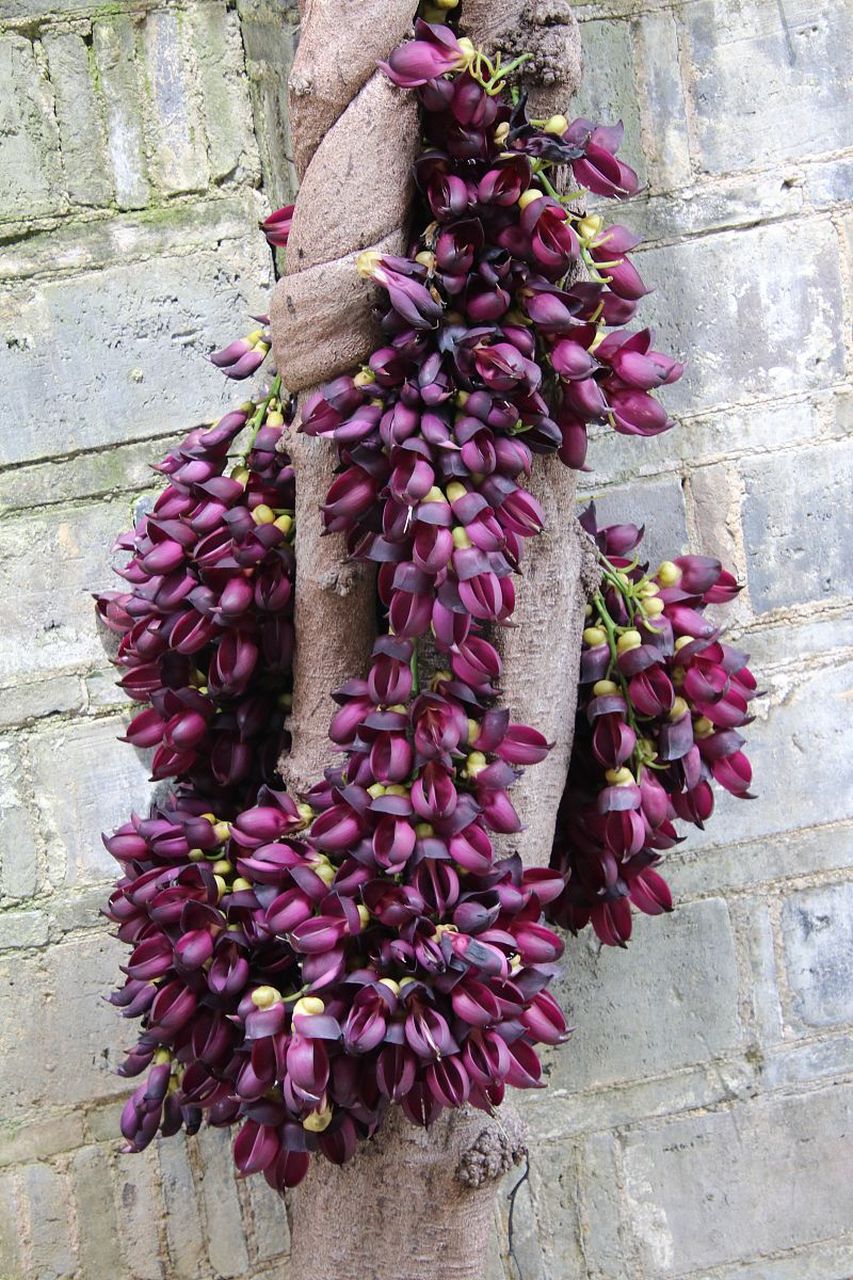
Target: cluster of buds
[244, 356]
[661, 701]
[494, 349]
[205, 627]
[301, 967]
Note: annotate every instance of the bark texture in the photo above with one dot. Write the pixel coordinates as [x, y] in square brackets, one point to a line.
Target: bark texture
[411, 1205]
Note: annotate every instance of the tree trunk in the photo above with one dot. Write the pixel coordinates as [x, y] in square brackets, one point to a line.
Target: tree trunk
[411, 1205]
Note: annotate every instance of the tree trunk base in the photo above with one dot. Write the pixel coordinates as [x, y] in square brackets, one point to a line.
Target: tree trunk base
[412, 1204]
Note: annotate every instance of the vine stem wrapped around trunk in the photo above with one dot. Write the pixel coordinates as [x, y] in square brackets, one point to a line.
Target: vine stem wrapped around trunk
[411, 1204]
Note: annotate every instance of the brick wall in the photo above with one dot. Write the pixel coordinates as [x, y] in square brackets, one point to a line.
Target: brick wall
[695, 1125]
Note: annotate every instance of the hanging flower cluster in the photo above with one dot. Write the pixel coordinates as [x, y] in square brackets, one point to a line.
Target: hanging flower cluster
[494, 349]
[661, 701]
[206, 632]
[300, 983]
[300, 963]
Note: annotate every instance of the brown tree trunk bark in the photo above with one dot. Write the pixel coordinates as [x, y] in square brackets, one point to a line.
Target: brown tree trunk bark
[411, 1205]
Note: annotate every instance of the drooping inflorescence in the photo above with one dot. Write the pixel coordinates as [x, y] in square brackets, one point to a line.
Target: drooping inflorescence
[662, 698]
[301, 962]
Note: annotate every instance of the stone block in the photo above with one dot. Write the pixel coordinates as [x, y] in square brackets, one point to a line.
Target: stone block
[137, 338]
[18, 849]
[231, 146]
[74, 912]
[793, 513]
[114, 40]
[53, 624]
[803, 1062]
[92, 1185]
[713, 290]
[40, 1139]
[665, 135]
[708, 205]
[61, 1041]
[739, 866]
[751, 68]
[702, 438]
[637, 1020]
[555, 1174]
[30, 158]
[10, 1230]
[51, 1250]
[184, 1232]
[754, 927]
[81, 127]
[135, 236]
[830, 183]
[28, 11]
[176, 142]
[226, 1244]
[841, 419]
[37, 699]
[140, 1200]
[22, 929]
[817, 932]
[715, 527]
[790, 641]
[707, 1190]
[599, 1186]
[269, 42]
[88, 783]
[657, 504]
[802, 770]
[269, 1221]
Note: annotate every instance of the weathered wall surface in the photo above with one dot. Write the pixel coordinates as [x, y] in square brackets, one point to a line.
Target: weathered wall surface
[695, 1127]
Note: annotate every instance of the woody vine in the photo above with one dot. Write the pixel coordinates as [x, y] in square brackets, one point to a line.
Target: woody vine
[302, 962]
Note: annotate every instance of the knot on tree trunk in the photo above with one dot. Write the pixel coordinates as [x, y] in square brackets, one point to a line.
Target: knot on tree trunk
[497, 1149]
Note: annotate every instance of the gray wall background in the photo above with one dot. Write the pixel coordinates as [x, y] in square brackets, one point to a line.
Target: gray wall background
[699, 1122]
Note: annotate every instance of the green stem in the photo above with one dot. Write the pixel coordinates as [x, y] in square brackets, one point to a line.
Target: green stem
[256, 421]
[416, 676]
[613, 671]
[498, 80]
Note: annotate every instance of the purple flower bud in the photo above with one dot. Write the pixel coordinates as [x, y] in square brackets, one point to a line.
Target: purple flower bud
[276, 227]
[433, 52]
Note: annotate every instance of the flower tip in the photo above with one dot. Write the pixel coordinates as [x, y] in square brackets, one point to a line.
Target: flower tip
[367, 262]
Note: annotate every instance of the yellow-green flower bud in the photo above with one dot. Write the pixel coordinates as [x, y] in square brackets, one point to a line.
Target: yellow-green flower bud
[668, 574]
[263, 514]
[265, 997]
[318, 1121]
[594, 636]
[628, 640]
[557, 125]
[311, 1005]
[527, 197]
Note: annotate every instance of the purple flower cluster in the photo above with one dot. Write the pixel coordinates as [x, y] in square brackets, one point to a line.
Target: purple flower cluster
[493, 351]
[300, 963]
[661, 701]
[205, 626]
[298, 983]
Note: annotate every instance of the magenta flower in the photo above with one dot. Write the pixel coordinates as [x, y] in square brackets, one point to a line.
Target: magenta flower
[276, 227]
[433, 52]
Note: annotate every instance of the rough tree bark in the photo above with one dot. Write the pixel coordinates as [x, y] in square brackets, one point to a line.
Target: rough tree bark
[411, 1204]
